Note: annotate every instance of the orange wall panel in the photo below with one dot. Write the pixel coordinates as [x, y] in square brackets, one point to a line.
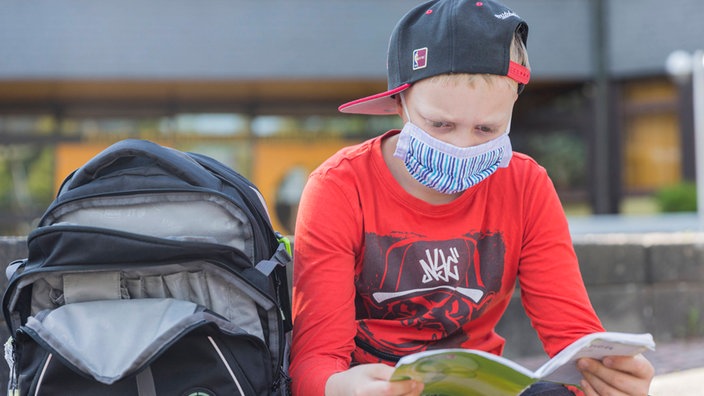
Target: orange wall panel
[274, 161]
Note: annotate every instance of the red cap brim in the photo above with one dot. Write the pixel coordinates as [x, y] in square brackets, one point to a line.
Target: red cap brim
[378, 104]
[383, 103]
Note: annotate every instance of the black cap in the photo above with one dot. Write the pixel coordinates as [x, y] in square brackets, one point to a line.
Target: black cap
[447, 36]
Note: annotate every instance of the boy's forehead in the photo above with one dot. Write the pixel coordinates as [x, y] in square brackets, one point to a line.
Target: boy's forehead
[485, 100]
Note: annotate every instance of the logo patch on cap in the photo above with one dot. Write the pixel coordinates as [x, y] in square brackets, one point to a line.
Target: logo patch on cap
[420, 58]
[506, 15]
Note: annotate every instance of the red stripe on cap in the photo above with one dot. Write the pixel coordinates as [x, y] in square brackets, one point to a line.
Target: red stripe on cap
[518, 72]
[373, 97]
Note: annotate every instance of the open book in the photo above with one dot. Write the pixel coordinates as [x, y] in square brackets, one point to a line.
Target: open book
[477, 373]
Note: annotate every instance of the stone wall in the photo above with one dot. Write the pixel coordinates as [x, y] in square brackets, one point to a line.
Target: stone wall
[637, 283]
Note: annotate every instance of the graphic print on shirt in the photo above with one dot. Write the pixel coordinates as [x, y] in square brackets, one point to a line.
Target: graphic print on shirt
[427, 288]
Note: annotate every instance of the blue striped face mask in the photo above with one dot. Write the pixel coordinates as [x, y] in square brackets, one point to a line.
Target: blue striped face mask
[447, 168]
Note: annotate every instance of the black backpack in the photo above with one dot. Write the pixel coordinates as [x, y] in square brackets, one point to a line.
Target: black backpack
[153, 272]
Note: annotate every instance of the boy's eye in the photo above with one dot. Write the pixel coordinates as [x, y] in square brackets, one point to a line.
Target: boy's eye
[485, 129]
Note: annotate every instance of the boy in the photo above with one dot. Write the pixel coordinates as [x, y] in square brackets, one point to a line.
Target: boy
[415, 239]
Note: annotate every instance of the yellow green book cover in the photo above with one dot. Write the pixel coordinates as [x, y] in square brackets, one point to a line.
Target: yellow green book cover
[467, 372]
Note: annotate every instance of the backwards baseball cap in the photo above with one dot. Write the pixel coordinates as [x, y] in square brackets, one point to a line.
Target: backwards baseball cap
[447, 36]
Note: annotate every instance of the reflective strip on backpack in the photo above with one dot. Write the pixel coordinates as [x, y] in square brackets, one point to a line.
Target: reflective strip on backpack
[227, 366]
[41, 376]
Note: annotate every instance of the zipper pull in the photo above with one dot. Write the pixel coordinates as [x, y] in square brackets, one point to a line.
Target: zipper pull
[11, 359]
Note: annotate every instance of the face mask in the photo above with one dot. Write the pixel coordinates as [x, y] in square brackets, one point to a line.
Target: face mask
[447, 168]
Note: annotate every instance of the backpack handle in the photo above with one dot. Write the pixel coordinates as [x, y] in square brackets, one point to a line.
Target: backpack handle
[168, 159]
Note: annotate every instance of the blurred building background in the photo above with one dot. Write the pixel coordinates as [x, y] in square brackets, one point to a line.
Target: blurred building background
[256, 84]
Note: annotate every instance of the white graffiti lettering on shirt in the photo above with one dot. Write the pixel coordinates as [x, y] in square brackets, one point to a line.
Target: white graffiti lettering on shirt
[440, 267]
[474, 294]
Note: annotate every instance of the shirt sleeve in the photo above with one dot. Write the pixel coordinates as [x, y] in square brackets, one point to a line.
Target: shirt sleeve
[328, 236]
[552, 290]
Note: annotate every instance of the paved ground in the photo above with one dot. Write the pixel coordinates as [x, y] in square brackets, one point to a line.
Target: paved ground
[675, 356]
[679, 367]
[682, 383]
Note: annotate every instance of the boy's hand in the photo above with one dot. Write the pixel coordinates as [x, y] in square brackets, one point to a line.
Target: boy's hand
[372, 380]
[616, 375]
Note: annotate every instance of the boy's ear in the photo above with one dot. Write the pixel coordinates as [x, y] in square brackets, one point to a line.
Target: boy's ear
[399, 107]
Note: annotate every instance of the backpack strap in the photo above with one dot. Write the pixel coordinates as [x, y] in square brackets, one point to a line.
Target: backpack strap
[276, 267]
[145, 383]
[280, 258]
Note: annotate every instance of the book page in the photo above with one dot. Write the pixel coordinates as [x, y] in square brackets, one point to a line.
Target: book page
[464, 372]
[563, 366]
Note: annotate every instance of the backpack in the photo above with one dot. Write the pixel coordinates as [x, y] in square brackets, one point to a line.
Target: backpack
[153, 272]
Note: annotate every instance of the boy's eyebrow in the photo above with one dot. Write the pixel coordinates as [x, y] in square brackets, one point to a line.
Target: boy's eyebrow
[446, 118]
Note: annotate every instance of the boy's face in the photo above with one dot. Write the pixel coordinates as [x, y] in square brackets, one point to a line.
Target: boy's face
[461, 113]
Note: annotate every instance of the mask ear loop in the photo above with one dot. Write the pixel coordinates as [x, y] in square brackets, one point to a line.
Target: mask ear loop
[405, 109]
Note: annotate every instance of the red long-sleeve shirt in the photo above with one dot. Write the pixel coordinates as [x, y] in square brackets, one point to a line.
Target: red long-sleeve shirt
[379, 270]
